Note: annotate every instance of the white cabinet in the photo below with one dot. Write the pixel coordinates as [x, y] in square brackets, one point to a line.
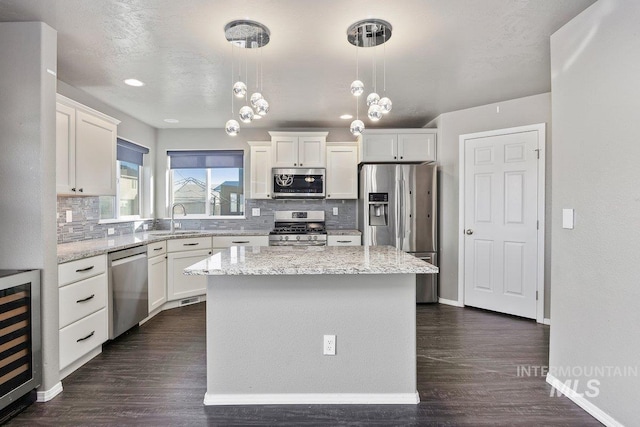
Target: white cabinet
[82, 310]
[342, 171]
[157, 274]
[298, 149]
[181, 254]
[260, 173]
[85, 150]
[344, 240]
[398, 145]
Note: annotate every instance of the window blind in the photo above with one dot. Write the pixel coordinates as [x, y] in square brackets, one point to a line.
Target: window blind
[205, 159]
[130, 152]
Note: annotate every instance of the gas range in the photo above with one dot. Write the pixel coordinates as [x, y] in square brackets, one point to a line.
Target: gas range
[298, 228]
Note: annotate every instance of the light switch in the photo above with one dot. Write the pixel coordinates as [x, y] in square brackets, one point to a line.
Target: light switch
[69, 216]
[255, 211]
[567, 218]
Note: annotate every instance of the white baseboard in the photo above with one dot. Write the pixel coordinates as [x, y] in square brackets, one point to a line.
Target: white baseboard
[313, 399]
[47, 395]
[68, 370]
[450, 302]
[585, 404]
[546, 321]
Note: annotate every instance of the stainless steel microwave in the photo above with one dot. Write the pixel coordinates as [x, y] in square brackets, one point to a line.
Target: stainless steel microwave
[298, 183]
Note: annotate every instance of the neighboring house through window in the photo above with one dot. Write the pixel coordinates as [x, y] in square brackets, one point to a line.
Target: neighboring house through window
[209, 183]
[127, 204]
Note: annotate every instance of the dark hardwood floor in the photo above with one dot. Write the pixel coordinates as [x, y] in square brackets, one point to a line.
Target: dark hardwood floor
[467, 375]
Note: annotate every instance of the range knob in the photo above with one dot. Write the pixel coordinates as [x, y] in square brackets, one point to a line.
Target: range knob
[297, 237]
[286, 237]
[281, 237]
[308, 237]
[315, 237]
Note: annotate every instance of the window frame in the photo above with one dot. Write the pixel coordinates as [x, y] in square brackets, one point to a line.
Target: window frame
[170, 197]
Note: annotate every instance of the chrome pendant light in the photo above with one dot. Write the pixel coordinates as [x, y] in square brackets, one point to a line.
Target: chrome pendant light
[245, 34]
[369, 33]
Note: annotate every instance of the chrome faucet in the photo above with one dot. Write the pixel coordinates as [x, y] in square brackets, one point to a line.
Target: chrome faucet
[173, 213]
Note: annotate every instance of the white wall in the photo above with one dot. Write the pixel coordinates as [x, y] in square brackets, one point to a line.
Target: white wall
[595, 275]
[216, 139]
[516, 112]
[27, 168]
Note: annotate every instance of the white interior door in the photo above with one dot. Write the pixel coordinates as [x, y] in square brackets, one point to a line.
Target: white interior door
[501, 222]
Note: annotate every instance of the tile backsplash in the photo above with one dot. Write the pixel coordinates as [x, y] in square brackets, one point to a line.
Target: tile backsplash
[85, 214]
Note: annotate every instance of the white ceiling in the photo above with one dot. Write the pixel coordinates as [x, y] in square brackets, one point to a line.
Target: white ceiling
[444, 55]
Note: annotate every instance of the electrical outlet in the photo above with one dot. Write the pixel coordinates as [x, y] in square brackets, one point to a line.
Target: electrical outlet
[329, 345]
[69, 216]
[255, 211]
[335, 211]
[145, 226]
[111, 231]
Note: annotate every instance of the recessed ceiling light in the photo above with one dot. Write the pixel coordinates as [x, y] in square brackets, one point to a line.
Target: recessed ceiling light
[134, 82]
[257, 117]
[346, 116]
[172, 120]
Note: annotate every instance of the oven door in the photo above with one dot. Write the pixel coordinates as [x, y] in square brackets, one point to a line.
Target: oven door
[298, 183]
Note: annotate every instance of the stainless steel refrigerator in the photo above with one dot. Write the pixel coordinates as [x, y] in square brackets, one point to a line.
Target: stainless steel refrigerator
[397, 206]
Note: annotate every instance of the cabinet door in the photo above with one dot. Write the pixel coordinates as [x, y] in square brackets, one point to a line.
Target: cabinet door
[380, 148]
[95, 155]
[260, 172]
[416, 147]
[180, 285]
[285, 151]
[65, 149]
[342, 172]
[157, 270]
[311, 151]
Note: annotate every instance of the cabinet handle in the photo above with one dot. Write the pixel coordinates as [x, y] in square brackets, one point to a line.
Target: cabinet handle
[268, 195]
[343, 241]
[86, 299]
[239, 241]
[300, 164]
[394, 157]
[190, 244]
[87, 337]
[157, 249]
[295, 164]
[73, 189]
[80, 190]
[401, 157]
[210, 253]
[84, 270]
[328, 195]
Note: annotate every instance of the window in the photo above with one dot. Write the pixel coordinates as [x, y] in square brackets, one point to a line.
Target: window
[208, 183]
[128, 199]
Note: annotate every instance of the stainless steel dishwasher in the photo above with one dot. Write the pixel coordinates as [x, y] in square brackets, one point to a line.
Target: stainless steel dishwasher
[128, 289]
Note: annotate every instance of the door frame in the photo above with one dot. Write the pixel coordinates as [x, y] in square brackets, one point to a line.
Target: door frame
[541, 129]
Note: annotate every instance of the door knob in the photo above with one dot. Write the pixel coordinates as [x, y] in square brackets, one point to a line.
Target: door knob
[469, 231]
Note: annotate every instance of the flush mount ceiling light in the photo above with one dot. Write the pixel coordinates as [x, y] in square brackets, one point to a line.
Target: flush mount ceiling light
[346, 116]
[171, 120]
[370, 33]
[245, 34]
[133, 82]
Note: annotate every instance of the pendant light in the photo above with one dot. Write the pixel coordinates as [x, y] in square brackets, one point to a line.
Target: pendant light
[370, 33]
[245, 34]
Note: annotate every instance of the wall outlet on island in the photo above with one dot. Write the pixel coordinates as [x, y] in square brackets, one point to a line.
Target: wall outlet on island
[335, 210]
[329, 345]
[255, 211]
[69, 216]
[110, 231]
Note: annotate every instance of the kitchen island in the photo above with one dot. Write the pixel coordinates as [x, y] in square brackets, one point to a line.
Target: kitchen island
[270, 308]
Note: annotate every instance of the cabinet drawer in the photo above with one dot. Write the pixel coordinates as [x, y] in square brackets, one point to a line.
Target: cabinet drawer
[157, 248]
[82, 298]
[81, 269]
[227, 241]
[81, 337]
[192, 243]
[343, 240]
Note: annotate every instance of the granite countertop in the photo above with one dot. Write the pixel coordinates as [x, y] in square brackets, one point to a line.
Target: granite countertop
[344, 233]
[283, 260]
[86, 248]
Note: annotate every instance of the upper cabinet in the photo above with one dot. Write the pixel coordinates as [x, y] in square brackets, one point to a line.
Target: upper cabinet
[398, 145]
[260, 171]
[342, 170]
[298, 149]
[85, 150]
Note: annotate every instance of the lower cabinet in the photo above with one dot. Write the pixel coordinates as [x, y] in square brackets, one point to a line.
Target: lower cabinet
[82, 299]
[344, 240]
[181, 254]
[157, 274]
